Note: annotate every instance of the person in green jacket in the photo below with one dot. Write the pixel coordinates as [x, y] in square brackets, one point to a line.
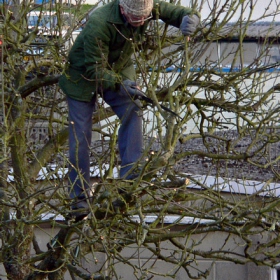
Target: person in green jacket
[100, 62]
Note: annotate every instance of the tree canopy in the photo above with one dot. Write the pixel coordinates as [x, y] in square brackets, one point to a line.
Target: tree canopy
[226, 104]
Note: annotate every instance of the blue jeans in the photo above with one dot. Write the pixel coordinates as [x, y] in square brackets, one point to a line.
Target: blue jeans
[130, 137]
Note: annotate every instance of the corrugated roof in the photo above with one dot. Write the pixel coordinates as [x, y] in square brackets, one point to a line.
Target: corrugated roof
[255, 30]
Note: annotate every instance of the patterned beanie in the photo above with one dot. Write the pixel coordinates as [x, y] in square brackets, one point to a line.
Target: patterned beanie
[137, 8]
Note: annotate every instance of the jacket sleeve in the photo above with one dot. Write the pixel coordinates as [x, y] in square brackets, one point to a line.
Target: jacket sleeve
[96, 51]
[172, 14]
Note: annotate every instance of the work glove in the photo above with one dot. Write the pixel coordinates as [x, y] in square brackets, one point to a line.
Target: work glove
[129, 87]
[189, 24]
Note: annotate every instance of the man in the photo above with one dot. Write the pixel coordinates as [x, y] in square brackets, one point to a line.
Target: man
[100, 62]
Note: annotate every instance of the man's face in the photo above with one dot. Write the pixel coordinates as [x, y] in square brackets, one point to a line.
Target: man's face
[135, 21]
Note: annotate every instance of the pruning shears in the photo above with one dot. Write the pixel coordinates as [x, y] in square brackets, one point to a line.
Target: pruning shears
[142, 96]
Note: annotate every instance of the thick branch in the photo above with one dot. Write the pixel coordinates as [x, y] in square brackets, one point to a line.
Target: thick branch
[37, 83]
[44, 155]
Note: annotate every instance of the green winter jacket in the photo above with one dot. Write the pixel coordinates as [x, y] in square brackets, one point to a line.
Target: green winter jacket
[101, 55]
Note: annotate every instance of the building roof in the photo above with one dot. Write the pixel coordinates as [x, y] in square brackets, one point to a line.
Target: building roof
[260, 30]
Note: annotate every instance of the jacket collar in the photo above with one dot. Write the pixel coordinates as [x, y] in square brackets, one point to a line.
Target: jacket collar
[115, 15]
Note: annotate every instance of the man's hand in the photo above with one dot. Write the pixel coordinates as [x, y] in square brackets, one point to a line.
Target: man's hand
[130, 88]
[189, 24]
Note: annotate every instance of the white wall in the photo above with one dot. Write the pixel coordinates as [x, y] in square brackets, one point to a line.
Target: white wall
[90, 2]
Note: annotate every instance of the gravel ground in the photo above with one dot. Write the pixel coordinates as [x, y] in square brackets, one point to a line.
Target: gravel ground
[202, 165]
[241, 169]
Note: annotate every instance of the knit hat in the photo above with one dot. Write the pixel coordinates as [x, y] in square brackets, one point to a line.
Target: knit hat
[137, 8]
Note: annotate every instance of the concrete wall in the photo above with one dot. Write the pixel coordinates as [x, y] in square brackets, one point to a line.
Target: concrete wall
[219, 270]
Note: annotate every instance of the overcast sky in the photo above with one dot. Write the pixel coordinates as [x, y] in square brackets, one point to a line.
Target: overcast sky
[260, 6]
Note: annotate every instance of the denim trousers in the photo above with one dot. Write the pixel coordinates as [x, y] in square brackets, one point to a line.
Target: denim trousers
[130, 138]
